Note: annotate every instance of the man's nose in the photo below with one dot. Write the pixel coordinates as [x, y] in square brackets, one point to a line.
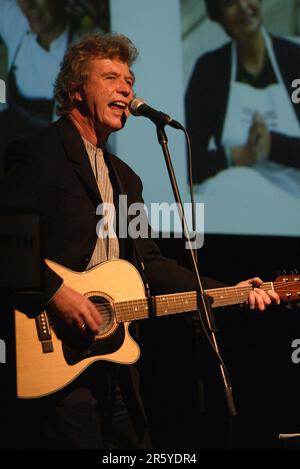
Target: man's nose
[125, 89]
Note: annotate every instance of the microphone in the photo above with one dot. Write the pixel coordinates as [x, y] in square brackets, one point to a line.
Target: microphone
[138, 107]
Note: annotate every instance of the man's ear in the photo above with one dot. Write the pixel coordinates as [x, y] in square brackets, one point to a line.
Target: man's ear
[77, 96]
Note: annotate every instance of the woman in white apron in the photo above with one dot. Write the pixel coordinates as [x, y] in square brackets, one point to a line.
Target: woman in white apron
[239, 107]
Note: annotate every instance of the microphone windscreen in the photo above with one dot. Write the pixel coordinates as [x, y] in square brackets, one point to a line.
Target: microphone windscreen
[134, 106]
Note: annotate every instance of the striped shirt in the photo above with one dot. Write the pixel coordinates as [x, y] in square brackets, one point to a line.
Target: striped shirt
[107, 245]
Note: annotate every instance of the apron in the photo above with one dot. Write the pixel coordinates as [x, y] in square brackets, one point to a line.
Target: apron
[274, 105]
[23, 116]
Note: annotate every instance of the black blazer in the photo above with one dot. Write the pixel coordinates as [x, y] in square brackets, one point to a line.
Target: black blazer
[50, 173]
[206, 103]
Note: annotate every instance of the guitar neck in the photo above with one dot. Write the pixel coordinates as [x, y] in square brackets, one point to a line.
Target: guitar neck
[233, 295]
[165, 305]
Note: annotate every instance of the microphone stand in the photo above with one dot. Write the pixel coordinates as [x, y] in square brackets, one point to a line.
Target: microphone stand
[203, 302]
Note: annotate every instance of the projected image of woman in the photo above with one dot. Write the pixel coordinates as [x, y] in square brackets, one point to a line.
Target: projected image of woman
[238, 103]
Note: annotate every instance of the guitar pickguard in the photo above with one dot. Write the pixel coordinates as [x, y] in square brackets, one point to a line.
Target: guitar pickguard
[102, 346]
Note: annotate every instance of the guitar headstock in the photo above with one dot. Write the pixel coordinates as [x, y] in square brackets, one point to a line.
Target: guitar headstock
[288, 287]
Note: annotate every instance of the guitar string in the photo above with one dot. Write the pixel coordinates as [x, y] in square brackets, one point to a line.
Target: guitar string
[125, 316]
[177, 300]
[218, 293]
[226, 294]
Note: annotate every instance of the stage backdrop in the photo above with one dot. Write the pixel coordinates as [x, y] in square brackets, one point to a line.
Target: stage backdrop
[171, 37]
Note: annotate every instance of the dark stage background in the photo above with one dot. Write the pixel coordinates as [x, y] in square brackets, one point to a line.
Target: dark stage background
[256, 348]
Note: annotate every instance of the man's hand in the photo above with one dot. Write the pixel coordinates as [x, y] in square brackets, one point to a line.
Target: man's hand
[258, 298]
[76, 310]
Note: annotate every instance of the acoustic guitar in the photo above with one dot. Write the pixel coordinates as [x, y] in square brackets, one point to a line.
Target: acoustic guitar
[49, 355]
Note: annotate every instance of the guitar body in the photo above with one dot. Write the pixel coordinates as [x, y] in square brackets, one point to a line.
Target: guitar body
[40, 373]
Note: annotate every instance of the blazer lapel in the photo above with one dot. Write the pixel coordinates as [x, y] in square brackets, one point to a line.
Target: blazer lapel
[76, 153]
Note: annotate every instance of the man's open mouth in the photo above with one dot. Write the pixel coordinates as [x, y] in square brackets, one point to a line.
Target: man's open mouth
[118, 104]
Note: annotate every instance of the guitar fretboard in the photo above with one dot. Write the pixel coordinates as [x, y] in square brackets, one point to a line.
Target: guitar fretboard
[164, 305]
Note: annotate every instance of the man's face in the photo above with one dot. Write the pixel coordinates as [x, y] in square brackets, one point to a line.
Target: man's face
[106, 94]
[240, 18]
[42, 15]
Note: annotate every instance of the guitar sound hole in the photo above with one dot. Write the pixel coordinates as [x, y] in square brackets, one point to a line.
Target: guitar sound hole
[105, 309]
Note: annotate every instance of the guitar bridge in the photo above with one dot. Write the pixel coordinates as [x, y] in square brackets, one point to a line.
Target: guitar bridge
[44, 332]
